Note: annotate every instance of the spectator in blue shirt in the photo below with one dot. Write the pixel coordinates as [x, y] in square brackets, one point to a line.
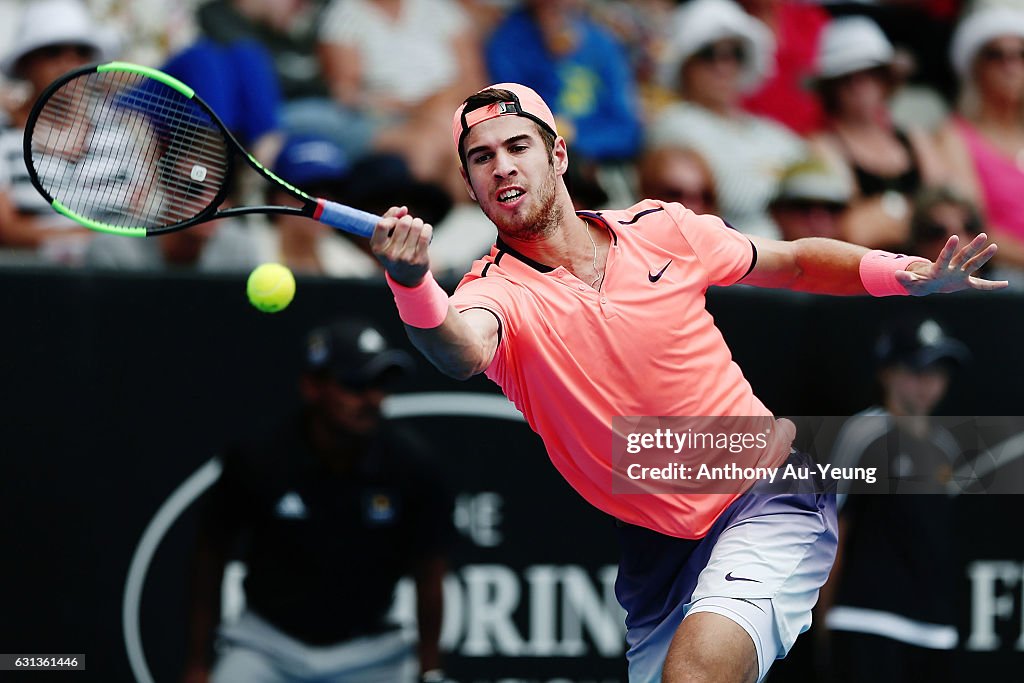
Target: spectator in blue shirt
[238, 81]
[579, 68]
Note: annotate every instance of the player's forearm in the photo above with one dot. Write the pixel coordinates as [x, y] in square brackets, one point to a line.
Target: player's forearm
[454, 347]
[825, 266]
[459, 345]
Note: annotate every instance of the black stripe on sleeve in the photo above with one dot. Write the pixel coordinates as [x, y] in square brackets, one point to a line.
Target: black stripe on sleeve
[753, 260]
[501, 329]
[640, 215]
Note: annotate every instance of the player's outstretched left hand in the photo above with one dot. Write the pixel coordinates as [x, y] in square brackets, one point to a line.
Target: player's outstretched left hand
[953, 270]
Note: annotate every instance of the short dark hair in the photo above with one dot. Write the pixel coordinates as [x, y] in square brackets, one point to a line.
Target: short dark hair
[491, 96]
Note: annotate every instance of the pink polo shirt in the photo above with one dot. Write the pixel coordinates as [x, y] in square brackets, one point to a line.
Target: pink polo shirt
[571, 358]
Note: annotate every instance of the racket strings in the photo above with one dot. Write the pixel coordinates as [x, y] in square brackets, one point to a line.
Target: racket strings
[128, 151]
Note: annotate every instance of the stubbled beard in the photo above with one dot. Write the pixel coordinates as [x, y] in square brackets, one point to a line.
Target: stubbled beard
[541, 222]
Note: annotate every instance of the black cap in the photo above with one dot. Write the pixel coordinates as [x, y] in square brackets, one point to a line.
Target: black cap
[355, 354]
[918, 344]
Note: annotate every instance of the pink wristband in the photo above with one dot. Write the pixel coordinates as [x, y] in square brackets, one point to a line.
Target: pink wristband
[878, 272]
[424, 306]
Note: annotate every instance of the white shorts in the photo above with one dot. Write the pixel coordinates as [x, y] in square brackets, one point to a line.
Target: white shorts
[761, 566]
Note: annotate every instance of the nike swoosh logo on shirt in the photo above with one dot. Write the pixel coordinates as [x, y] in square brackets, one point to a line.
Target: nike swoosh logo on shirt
[655, 278]
[730, 577]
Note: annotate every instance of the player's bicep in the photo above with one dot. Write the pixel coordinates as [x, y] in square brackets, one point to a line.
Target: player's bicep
[488, 329]
[775, 265]
[463, 345]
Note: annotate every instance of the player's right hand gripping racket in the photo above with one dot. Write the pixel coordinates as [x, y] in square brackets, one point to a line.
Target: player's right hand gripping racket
[129, 150]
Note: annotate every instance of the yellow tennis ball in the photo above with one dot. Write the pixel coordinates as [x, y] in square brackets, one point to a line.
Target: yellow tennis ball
[270, 287]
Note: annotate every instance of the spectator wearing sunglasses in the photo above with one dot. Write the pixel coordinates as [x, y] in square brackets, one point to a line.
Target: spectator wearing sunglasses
[678, 174]
[886, 165]
[812, 202]
[717, 54]
[984, 143]
[53, 37]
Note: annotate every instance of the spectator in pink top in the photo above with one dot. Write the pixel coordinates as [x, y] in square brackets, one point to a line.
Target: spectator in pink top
[985, 141]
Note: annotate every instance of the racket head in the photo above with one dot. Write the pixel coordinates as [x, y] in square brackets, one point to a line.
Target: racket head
[125, 149]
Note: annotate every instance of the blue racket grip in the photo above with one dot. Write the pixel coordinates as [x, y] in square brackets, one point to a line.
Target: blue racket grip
[345, 218]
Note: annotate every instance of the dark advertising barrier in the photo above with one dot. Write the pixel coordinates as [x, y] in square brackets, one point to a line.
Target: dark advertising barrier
[118, 391]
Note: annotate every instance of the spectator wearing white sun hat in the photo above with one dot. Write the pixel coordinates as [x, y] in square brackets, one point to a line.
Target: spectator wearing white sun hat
[717, 54]
[52, 37]
[887, 165]
[50, 24]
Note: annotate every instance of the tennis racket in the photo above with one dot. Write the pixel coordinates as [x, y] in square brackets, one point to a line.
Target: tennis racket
[129, 150]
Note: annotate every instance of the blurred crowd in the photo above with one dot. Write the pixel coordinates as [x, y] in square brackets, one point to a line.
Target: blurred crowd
[892, 124]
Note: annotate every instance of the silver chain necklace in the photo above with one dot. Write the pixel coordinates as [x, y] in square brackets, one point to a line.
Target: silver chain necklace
[597, 270]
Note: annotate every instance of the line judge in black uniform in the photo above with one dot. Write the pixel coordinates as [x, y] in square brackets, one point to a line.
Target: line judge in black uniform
[329, 512]
[893, 612]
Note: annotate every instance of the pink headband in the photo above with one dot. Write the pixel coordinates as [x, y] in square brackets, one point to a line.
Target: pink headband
[525, 102]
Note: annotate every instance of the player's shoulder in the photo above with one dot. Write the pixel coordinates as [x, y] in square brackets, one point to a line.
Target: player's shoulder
[645, 214]
[652, 219]
[491, 270]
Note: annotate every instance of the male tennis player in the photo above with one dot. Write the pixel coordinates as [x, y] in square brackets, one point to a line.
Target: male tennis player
[583, 316]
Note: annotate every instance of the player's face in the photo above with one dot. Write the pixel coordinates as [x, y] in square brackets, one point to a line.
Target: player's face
[513, 178]
[914, 392]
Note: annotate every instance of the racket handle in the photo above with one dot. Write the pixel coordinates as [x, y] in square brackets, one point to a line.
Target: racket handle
[345, 218]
